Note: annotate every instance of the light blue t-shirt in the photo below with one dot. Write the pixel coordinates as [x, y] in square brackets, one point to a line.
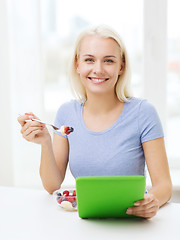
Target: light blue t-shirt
[116, 151]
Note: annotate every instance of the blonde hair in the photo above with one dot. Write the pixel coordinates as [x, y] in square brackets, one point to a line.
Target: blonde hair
[123, 90]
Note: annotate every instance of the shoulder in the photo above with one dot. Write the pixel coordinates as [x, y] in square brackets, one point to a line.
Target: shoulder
[141, 104]
[141, 109]
[68, 108]
[68, 113]
[149, 123]
[147, 108]
[148, 116]
[70, 105]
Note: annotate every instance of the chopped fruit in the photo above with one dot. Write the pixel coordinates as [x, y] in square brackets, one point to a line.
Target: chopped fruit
[67, 200]
[70, 199]
[64, 199]
[68, 130]
[66, 193]
[60, 200]
[67, 205]
[64, 130]
[74, 204]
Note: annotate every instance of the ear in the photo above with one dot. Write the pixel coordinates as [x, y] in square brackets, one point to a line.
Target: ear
[121, 68]
[77, 66]
[77, 69]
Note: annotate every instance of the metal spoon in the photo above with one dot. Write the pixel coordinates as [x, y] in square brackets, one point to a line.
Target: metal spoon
[37, 120]
[55, 128]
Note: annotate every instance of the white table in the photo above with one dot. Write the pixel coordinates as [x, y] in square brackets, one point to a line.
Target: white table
[33, 214]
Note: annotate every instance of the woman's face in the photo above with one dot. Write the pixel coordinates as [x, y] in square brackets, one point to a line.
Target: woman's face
[99, 64]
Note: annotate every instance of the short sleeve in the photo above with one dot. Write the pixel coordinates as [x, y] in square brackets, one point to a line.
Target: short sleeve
[150, 126]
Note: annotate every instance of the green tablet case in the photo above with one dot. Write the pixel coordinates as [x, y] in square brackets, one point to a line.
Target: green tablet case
[108, 197]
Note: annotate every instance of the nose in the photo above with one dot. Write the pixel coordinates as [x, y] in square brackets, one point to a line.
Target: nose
[98, 68]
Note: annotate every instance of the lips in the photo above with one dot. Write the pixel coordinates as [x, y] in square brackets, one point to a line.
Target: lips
[98, 80]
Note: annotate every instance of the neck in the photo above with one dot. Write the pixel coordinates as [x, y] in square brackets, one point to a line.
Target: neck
[101, 103]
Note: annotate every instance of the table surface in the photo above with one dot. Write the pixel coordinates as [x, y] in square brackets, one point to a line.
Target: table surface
[34, 214]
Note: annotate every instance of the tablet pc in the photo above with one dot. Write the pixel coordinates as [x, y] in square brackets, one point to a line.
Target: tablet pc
[108, 197]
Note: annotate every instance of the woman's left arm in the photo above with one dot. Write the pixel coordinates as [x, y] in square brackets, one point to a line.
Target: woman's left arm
[161, 191]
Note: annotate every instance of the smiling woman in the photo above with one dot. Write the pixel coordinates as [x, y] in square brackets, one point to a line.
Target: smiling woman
[115, 134]
[50, 33]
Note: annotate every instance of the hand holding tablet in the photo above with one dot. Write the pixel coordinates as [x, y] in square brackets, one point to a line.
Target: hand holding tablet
[108, 197]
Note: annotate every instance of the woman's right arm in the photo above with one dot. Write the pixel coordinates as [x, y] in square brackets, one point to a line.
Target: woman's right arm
[54, 156]
[54, 160]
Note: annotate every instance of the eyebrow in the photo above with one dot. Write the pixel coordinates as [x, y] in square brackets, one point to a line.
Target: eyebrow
[108, 56]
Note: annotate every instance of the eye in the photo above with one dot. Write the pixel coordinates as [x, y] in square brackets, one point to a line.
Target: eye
[89, 60]
[109, 61]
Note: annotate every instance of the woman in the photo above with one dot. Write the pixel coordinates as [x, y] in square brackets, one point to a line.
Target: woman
[114, 133]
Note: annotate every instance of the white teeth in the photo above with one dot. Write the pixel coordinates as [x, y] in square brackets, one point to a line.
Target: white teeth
[98, 80]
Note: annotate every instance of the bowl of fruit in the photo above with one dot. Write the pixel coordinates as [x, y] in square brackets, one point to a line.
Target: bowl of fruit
[66, 199]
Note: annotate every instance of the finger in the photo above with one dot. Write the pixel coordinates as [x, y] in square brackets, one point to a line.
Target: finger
[149, 205]
[33, 118]
[147, 199]
[146, 214]
[26, 131]
[148, 210]
[33, 135]
[31, 130]
[31, 124]
[31, 114]
[22, 119]
[140, 212]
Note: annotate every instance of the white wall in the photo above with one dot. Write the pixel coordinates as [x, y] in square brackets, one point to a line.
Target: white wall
[6, 167]
[155, 55]
[22, 89]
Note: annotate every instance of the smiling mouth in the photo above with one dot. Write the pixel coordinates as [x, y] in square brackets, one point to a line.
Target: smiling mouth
[98, 80]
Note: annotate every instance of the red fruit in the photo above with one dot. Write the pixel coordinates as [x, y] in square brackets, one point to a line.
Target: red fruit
[74, 193]
[66, 193]
[70, 199]
[60, 199]
[66, 130]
